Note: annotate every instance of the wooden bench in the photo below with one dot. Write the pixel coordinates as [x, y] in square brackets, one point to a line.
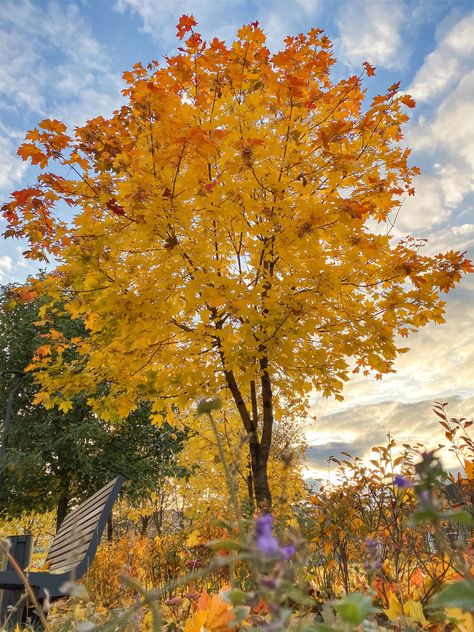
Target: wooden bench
[73, 548]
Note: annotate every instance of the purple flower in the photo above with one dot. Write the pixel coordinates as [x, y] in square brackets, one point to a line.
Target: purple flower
[371, 545]
[173, 601]
[373, 563]
[267, 542]
[288, 551]
[401, 482]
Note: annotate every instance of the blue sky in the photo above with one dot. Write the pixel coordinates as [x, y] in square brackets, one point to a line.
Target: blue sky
[64, 60]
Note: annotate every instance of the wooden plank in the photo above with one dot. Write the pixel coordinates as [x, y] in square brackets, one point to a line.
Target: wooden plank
[71, 554]
[76, 540]
[99, 497]
[77, 528]
[94, 500]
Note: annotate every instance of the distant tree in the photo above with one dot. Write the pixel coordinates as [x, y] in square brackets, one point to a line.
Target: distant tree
[232, 235]
[55, 458]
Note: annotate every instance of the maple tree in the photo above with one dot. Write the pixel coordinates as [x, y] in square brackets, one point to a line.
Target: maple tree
[231, 235]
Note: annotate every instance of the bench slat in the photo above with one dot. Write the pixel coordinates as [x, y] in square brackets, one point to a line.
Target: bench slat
[76, 530]
[70, 556]
[99, 498]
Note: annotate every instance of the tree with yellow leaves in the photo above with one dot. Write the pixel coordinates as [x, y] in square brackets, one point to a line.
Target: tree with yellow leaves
[231, 236]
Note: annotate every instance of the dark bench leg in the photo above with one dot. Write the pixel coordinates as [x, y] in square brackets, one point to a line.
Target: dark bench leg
[21, 551]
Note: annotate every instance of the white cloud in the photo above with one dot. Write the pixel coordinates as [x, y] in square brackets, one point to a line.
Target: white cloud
[456, 237]
[443, 66]
[370, 31]
[438, 367]
[443, 137]
[6, 265]
[13, 168]
[309, 7]
[219, 19]
[440, 364]
[222, 19]
[51, 63]
[425, 209]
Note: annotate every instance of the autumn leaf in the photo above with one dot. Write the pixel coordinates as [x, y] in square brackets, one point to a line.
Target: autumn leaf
[26, 294]
[53, 125]
[65, 406]
[219, 615]
[185, 24]
[408, 101]
[43, 350]
[115, 207]
[194, 539]
[195, 623]
[33, 153]
[394, 610]
[370, 70]
[24, 196]
[414, 612]
[464, 620]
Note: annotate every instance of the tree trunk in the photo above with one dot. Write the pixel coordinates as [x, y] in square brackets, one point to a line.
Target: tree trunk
[259, 450]
[259, 462]
[61, 510]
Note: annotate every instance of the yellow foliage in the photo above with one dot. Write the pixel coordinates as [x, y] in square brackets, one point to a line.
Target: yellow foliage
[464, 620]
[469, 469]
[194, 539]
[394, 610]
[213, 615]
[414, 612]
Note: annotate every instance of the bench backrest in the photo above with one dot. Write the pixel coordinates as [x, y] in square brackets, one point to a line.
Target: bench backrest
[78, 537]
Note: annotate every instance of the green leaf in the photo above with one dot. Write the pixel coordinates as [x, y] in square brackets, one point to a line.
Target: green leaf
[205, 406]
[225, 544]
[458, 516]
[427, 515]
[221, 524]
[354, 608]
[236, 596]
[456, 595]
[299, 597]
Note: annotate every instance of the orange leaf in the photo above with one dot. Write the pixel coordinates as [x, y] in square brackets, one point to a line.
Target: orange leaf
[370, 70]
[44, 350]
[408, 101]
[25, 294]
[196, 622]
[261, 608]
[37, 157]
[185, 24]
[23, 196]
[219, 615]
[53, 125]
[115, 207]
[469, 469]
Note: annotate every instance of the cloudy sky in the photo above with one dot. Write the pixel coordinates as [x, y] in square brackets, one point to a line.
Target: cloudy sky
[64, 60]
